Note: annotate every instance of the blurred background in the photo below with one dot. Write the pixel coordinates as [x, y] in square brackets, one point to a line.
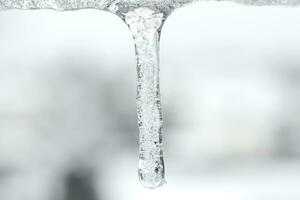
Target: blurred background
[230, 81]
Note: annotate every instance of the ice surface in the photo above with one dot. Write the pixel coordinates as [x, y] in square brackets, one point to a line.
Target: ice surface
[119, 7]
[122, 6]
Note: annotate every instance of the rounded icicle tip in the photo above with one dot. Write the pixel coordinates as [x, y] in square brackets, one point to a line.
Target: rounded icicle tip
[151, 181]
[151, 173]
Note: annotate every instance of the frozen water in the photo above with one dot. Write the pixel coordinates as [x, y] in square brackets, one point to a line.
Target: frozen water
[144, 19]
[121, 7]
[145, 25]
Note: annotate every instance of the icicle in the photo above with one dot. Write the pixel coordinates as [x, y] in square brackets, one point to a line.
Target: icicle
[145, 26]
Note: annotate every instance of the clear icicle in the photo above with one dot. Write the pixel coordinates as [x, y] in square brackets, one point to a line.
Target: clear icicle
[145, 26]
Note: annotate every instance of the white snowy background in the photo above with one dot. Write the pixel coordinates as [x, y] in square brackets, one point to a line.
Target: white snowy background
[230, 81]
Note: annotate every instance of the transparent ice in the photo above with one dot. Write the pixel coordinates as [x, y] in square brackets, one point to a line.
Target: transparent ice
[145, 19]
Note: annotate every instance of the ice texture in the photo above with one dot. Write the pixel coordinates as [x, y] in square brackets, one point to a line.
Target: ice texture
[145, 26]
[121, 7]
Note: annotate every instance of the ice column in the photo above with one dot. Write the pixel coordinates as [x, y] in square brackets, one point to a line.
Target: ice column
[145, 26]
